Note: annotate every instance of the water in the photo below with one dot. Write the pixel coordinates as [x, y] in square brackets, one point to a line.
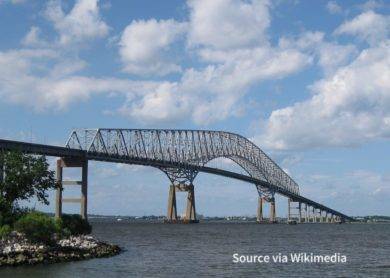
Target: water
[206, 249]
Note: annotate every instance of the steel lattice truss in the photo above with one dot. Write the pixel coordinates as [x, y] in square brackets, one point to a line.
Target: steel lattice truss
[183, 148]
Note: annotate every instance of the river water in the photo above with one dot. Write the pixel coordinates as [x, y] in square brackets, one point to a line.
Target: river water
[206, 249]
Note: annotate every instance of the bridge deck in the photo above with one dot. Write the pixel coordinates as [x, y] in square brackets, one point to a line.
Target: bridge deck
[58, 151]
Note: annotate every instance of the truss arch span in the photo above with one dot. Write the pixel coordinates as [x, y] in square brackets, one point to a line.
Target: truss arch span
[182, 148]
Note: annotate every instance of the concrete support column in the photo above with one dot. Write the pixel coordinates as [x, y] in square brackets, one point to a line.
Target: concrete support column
[306, 214]
[320, 212]
[84, 191]
[83, 200]
[260, 210]
[172, 212]
[300, 212]
[59, 189]
[190, 211]
[314, 216]
[289, 209]
[272, 217]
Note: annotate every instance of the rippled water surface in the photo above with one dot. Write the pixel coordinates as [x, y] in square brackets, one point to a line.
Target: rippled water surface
[206, 249]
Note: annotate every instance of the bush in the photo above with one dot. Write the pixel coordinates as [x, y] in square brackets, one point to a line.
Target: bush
[37, 227]
[5, 231]
[73, 224]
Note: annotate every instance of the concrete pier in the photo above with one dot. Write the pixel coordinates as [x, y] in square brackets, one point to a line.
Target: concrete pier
[260, 217]
[83, 200]
[172, 212]
[272, 217]
[190, 213]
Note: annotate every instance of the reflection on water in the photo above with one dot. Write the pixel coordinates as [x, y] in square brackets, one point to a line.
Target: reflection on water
[206, 249]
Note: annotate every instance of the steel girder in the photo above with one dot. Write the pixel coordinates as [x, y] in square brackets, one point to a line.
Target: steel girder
[184, 147]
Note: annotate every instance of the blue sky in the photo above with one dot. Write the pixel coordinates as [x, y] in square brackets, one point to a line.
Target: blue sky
[307, 81]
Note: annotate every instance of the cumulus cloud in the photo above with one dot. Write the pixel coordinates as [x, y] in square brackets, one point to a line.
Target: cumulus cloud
[226, 24]
[329, 55]
[349, 107]
[333, 7]
[144, 43]
[28, 78]
[82, 23]
[230, 38]
[368, 26]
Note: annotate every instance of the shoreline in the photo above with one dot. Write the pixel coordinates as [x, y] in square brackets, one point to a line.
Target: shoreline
[17, 251]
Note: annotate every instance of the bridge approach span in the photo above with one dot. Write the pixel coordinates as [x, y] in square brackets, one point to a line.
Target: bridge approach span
[175, 151]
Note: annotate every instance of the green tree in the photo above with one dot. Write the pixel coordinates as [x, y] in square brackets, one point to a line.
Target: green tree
[25, 176]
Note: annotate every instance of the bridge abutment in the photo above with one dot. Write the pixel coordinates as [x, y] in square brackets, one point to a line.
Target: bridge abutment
[83, 183]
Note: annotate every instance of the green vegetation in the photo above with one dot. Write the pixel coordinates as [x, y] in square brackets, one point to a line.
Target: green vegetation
[38, 227]
[73, 224]
[5, 230]
[27, 176]
[24, 176]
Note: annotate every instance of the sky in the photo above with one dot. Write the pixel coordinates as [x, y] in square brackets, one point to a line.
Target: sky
[307, 81]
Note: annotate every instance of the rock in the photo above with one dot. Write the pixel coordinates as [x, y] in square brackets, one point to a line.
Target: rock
[17, 251]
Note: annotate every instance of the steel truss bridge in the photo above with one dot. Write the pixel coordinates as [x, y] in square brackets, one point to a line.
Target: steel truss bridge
[181, 155]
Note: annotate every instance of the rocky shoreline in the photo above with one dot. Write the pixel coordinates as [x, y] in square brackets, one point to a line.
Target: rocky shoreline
[16, 250]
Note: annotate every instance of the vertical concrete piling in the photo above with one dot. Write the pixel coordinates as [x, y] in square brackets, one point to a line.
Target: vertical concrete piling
[83, 200]
[260, 210]
[272, 217]
[172, 212]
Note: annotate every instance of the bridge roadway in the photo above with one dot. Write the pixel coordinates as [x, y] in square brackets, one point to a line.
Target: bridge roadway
[58, 151]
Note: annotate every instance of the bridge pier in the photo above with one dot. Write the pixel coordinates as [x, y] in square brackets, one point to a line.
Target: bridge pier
[190, 214]
[172, 211]
[83, 200]
[314, 218]
[272, 217]
[260, 213]
[182, 181]
[297, 216]
[260, 218]
[306, 214]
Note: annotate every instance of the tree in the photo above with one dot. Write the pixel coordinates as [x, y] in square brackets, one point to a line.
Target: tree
[25, 176]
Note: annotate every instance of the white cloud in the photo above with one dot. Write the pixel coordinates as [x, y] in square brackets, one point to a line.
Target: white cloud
[348, 108]
[28, 77]
[371, 5]
[33, 38]
[230, 38]
[164, 104]
[82, 23]
[330, 55]
[368, 26]
[333, 7]
[333, 55]
[214, 93]
[225, 24]
[144, 43]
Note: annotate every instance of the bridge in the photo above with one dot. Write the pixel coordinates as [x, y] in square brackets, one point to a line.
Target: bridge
[181, 155]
